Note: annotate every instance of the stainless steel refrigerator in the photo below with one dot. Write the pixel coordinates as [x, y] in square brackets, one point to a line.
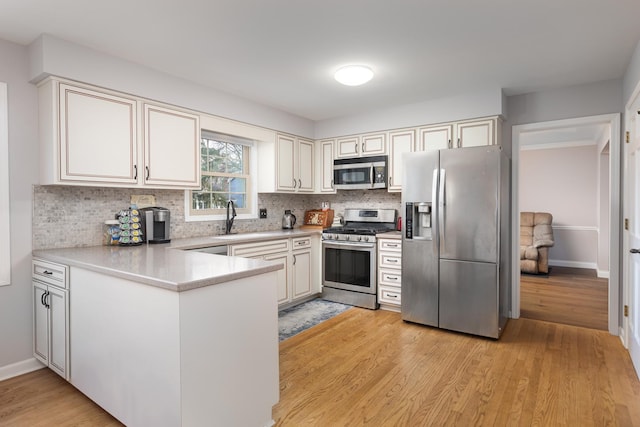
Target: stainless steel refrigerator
[455, 249]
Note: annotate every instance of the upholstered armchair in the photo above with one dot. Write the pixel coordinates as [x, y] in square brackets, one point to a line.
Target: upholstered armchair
[536, 237]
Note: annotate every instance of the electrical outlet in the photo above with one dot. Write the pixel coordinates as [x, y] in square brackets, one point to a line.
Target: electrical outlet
[263, 213]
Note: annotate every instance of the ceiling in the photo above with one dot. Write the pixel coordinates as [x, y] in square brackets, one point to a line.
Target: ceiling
[283, 53]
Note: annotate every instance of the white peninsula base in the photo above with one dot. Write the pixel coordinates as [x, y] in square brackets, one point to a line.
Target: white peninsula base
[156, 357]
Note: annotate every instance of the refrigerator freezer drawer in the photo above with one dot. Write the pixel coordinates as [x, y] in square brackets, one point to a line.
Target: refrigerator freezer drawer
[469, 297]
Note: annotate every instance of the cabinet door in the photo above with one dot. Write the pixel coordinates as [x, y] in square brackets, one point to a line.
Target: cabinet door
[475, 133]
[40, 323]
[348, 147]
[399, 142]
[305, 165]
[283, 276]
[374, 144]
[435, 138]
[286, 160]
[58, 331]
[172, 148]
[98, 136]
[301, 273]
[326, 180]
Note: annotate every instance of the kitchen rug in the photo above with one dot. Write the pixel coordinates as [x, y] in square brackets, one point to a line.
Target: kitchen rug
[298, 318]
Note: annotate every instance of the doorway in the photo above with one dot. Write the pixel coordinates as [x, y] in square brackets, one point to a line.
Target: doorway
[544, 133]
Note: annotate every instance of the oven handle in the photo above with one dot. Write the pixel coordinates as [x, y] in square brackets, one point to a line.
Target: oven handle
[353, 245]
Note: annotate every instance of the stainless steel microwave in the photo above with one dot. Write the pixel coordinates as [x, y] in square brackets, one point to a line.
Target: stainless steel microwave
[360, 173]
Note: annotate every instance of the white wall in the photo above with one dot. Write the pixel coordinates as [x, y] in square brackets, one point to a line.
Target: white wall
[472, 105]
[564, 182]
[15, 299]
[53, 56]
[632, 75]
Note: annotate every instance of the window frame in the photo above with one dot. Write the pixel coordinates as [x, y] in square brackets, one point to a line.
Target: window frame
[251, 211]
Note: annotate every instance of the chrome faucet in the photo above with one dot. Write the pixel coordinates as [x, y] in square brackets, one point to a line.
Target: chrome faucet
[229, 222]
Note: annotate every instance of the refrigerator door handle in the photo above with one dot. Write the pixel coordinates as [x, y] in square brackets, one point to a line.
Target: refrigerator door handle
[441, 204]
[434, 193]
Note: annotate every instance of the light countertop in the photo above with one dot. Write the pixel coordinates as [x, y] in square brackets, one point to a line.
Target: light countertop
[169, 265]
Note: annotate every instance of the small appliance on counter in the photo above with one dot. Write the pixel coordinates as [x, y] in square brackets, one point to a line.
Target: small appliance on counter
[288, 220]
[320, 218]
[156, 223]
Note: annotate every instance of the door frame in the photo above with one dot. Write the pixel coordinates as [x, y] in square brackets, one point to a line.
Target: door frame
[613, 120]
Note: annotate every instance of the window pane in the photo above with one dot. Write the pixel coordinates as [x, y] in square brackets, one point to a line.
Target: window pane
[235, 159]
[205, 181]
[201, 200]
[219, 200]
[237, 185]
[220, 183]
[240, 200]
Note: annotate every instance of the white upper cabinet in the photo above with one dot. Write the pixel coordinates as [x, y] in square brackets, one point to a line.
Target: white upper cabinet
[374, 144]
[435, 137]
[294, 160]
[98, 136]
[325, 166]
[305, 165]
[171, 147]
[94, 136]
[399, 142]
[475, 133]
[347, 147]
[361, 145]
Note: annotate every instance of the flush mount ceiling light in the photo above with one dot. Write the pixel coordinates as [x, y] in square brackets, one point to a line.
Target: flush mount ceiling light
[354, 75]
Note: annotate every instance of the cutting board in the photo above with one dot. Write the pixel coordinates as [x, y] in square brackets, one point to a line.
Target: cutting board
[318, 217]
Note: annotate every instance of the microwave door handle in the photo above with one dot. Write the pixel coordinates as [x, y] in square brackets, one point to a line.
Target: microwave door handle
[371, 174]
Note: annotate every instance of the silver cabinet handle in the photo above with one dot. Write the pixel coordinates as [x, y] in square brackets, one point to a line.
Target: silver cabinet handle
[390, 181]
[299, 183]
[147, 168]
[294, 183]
[332, 187]
[294, 260]
[449, 143]
[362, 147]
[459, 143]
[392, 261]
[135, 172]
[356, 148]
[394, 278]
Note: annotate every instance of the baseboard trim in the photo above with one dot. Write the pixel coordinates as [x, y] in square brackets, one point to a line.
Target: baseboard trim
[19, 368]
[603, 274]
[573, 264]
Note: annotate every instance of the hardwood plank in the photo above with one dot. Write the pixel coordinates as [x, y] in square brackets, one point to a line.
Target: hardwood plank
[569, 296]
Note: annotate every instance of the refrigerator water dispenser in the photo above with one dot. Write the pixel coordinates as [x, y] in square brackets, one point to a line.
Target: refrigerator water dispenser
[418, 221]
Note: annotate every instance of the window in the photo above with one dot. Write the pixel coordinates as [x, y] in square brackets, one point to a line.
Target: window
[226, 163]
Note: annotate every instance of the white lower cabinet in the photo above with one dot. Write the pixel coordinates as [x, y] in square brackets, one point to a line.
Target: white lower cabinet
[300, 278]
[51, 316]
[389, 273]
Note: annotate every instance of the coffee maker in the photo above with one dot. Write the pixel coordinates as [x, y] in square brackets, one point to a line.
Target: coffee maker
[156, 224]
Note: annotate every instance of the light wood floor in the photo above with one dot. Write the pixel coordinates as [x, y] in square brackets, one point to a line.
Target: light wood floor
[571, 296]
[370, 368]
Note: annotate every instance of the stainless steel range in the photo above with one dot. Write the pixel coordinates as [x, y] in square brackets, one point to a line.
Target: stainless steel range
[349, 256]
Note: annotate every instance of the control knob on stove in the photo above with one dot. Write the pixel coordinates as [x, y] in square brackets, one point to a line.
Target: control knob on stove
[359, 238]
[346, 237]
[366, 238]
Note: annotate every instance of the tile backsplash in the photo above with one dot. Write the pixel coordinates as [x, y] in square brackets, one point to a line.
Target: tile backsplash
[71, 216]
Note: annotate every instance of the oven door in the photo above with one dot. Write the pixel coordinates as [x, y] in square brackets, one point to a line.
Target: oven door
[349, 266]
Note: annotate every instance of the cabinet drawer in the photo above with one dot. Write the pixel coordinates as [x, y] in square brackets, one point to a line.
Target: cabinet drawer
[389, 295]
[301, 242]
[391, 245]
[50, 273]
[390, 277]
[390, 260]
[260, 248]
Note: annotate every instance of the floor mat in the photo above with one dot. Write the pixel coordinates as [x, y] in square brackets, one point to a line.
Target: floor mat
[296, 319]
